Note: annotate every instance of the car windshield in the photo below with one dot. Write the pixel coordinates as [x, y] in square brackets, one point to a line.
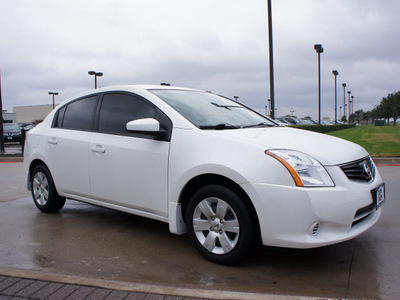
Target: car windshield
[11, 127]
[209, 111]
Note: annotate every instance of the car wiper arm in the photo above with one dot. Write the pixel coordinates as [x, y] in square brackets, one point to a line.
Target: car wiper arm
[221, 126]
[259, 125]
[228, 107]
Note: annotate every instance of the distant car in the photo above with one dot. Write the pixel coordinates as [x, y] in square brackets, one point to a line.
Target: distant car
[205, 165]
[308, 122]
[281, 123]
[12, 133]
[328, 122]
[292, 120]
[27, 127]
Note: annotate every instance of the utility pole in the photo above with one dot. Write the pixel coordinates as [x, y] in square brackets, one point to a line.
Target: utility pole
[318, 48]
[1, 122]
[271, 62]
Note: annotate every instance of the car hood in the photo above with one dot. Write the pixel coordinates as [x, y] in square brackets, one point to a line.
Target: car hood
[326, 149]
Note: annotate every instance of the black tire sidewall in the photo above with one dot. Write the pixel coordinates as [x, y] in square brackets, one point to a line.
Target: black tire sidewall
[246, 235]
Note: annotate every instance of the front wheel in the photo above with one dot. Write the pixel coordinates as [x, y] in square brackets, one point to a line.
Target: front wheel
[44, 193]
[220, 225]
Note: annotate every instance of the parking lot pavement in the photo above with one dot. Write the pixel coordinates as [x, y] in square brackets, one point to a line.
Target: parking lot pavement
[91, 247]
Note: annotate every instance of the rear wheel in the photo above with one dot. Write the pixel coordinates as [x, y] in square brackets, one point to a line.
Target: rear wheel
[44, 193]
[220, 225]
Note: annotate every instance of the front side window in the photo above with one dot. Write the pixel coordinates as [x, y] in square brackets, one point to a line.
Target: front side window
[209, 111]
[77, 115]
[117, 109]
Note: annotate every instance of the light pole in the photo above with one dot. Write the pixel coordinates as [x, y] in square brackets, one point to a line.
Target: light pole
[271, 62]
[335, 73]
[54, 94]
[319, 49]
[270, 108]
[1, 122]
[96, 74]
[352, 104]
[340, 111]
[344, 99]
[292, 111]
[236, 98]
[348, 92]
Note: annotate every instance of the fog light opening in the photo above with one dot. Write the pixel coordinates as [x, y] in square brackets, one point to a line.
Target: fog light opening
[315, 229]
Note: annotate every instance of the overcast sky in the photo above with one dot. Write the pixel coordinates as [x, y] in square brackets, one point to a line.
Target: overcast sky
[215, 45]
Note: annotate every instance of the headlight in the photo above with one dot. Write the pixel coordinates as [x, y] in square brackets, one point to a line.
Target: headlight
[305, 170]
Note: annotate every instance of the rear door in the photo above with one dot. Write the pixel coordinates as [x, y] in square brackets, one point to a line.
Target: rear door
[129, 169]
[67, 147]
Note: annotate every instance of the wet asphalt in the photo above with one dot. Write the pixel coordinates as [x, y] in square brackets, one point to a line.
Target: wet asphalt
[89, 252]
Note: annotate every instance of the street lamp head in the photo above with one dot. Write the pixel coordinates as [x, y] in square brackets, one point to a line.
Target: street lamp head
[335, 72]
[348, 92]
[53, 93]
[99, 74]
[91, 72]
[318, 48]
[343, 85]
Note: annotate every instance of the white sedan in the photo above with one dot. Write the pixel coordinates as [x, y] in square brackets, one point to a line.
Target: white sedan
[205, 165]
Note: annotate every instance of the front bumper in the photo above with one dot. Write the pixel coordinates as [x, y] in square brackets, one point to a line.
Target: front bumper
[298, 217]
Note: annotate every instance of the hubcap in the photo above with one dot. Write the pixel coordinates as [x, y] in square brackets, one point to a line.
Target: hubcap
[216, 225]
[40, 188]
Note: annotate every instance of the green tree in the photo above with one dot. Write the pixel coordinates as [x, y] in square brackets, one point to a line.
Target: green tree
[357, 116]
[366, 116]
[390, 107]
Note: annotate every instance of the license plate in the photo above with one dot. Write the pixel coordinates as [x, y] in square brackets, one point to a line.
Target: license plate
[9, 138]
[378, 195]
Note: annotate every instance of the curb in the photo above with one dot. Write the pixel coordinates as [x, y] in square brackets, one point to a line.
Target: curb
[11, 159]
[386, 161]
[149, 288]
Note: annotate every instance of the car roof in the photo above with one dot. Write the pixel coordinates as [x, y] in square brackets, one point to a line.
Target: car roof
[143, 87]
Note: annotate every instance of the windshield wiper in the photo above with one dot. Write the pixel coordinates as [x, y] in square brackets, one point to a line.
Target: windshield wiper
[258, 125]
[228, 107]
[221, 126]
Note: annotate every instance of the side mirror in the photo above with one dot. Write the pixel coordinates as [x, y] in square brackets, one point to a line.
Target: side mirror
[147, 126]
[143, 125]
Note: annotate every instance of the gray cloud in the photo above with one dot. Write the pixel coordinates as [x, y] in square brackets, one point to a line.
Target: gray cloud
[220, 46]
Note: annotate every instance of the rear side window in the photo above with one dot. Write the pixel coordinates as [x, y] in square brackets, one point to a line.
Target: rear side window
[77, 115]
[118, 109]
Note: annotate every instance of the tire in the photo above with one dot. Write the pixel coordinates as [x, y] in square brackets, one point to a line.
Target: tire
[219, 224]
[44, 193]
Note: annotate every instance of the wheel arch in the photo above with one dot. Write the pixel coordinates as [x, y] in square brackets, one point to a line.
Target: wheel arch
[207, 179]
[34, 163]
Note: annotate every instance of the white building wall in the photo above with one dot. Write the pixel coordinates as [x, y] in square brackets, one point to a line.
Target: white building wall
[32, 113]
[9, 117]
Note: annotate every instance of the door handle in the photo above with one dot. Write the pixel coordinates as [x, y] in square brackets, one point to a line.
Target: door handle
[98, 149]
[52, 141]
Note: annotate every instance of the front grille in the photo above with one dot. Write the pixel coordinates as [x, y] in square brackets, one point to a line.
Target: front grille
[362, 170]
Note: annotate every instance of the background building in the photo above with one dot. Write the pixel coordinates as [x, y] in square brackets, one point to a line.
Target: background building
[9, 117]
[32, 113]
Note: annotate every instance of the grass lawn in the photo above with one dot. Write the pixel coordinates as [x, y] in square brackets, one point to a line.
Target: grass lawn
[377, 140]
